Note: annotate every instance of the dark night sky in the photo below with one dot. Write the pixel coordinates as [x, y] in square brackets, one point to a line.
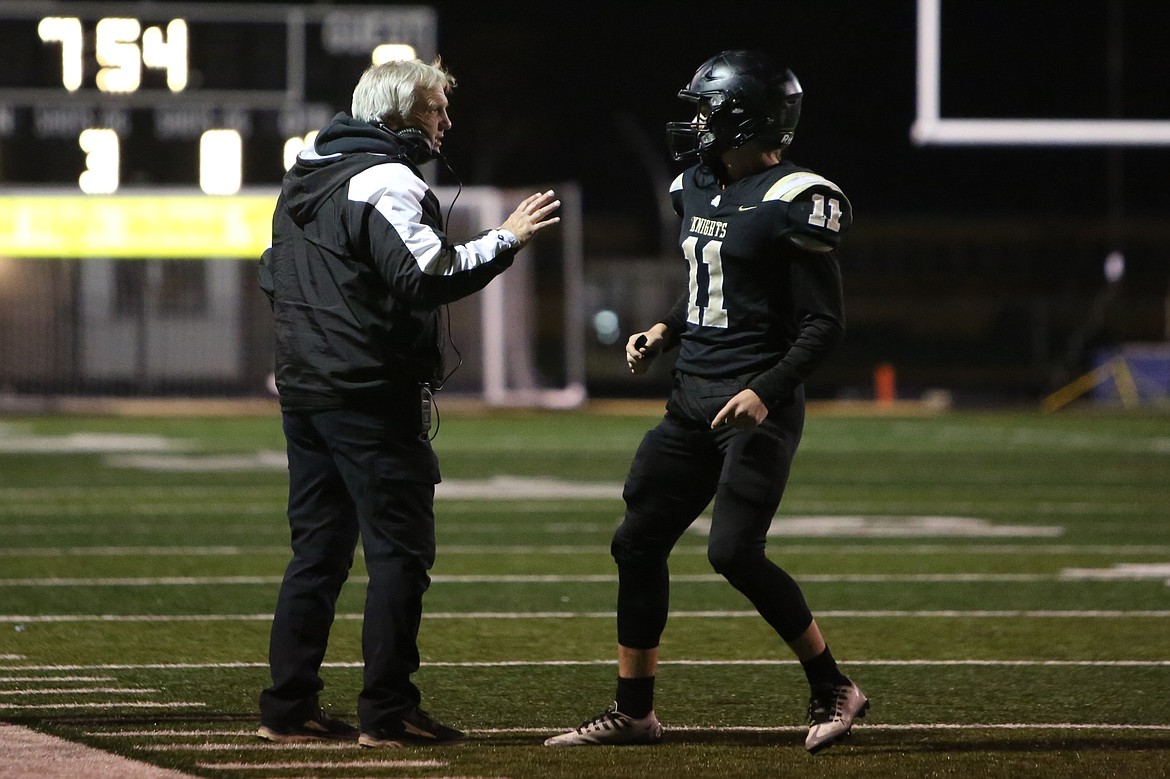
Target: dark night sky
[556, 91]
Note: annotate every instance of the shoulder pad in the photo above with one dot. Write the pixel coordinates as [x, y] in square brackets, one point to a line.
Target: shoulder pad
[818, 214]
[677, 184]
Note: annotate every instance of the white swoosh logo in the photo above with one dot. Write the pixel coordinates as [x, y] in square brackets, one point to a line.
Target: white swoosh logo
[746, 208]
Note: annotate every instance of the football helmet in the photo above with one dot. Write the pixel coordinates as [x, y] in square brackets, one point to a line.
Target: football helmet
[738, 96]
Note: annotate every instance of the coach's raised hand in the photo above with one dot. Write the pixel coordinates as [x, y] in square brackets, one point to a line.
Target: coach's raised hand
[532, 215]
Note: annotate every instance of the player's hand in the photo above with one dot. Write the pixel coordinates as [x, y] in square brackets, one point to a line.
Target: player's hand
[744, 411]
[642, 348]
[532, 215]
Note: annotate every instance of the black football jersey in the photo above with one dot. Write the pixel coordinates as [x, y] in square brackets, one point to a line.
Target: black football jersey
[761, 263]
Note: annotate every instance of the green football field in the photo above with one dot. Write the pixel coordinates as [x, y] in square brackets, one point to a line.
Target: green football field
[997, 583]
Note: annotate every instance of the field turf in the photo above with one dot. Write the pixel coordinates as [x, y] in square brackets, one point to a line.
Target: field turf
[998, 583]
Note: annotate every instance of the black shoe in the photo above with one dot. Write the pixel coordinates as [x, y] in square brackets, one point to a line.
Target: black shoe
[318, 728]
[413, 727]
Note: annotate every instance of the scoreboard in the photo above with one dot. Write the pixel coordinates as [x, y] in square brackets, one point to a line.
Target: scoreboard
[162, 130]
[98, 96]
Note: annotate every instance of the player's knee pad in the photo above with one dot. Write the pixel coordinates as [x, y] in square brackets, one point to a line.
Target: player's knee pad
[733, 558]
[632, 549]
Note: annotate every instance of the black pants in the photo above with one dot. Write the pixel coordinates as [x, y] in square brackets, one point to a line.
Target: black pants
[679, 468]
[353, 473]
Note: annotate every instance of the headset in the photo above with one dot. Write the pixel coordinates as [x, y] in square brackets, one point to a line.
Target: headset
[416, 148]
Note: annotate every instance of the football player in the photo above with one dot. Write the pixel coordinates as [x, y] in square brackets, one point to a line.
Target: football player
[762, 310]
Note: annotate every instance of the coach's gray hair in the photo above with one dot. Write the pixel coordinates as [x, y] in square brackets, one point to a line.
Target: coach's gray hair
[386, 92]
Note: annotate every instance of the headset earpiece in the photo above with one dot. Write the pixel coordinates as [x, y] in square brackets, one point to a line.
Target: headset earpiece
[415, 145]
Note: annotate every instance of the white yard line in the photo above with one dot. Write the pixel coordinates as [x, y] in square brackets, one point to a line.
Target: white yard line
[256, 745]
[1121, 572]
[829, 548]
[27, 754]
[712, 614]
[145, 551]
[862, 726]
[553, 728]
[141, 511]
[12, 679]
[80, 691]
[108, 705]
[925, 663]
[144, 581]
[200, 581]
[323, 766]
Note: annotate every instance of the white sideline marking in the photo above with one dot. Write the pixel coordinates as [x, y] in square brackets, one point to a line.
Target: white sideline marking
[12, 657]
[506, 615]
[27, 753]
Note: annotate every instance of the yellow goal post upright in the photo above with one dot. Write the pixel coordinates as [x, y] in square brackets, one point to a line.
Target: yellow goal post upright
[1140, 374]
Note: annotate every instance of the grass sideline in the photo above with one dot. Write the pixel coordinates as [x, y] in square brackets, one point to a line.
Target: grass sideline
[997, 582]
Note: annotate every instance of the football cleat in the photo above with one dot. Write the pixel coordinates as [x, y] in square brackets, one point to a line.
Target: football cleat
[611, 727]
[316, 729]
[414, 728]
[831, 713]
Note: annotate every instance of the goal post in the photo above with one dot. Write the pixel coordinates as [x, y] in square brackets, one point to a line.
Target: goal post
[531, 335]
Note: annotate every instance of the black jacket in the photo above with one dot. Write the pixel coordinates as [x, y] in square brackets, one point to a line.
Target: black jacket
[358, 268]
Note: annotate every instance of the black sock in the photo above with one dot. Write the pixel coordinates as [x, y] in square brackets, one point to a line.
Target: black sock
[635, 697]
[822, 671]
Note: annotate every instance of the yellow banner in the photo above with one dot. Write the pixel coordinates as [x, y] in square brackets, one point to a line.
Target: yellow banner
[147, 225]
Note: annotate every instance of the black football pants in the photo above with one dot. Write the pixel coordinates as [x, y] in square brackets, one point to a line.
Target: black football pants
[680, 466]
[351, 474]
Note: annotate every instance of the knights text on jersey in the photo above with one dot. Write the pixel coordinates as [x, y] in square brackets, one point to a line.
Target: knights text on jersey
[739, 242]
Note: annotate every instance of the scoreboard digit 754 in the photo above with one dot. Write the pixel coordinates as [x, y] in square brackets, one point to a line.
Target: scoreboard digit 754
[103, 95]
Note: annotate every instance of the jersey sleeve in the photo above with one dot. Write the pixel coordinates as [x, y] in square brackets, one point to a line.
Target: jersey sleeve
[818, 213]
[676, 194]
[418, 262]
[818, 303]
